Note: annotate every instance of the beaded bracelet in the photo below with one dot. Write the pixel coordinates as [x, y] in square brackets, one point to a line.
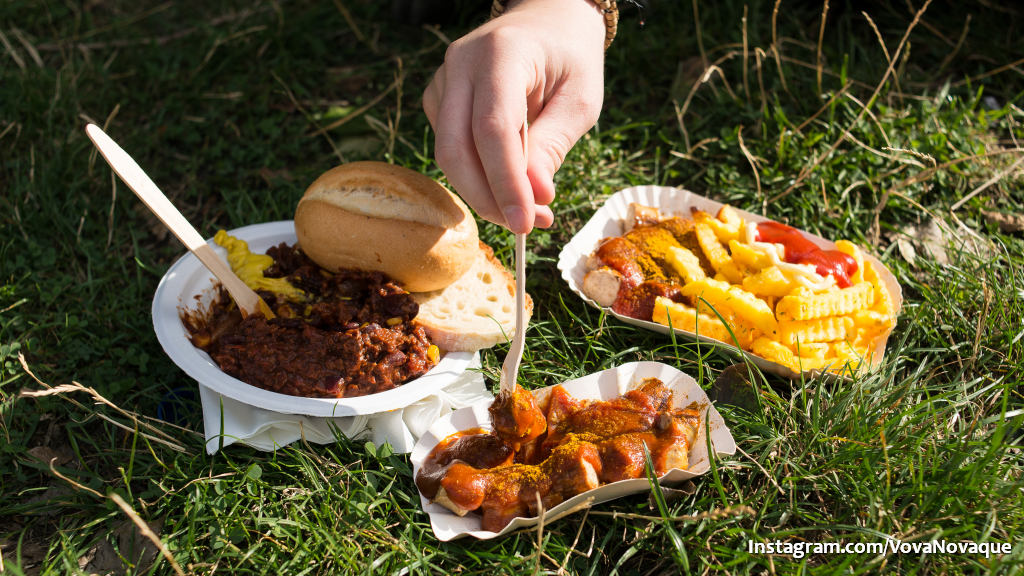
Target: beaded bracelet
[609, 8]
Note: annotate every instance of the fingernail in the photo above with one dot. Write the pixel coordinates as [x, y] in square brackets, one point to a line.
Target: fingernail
[515, 217]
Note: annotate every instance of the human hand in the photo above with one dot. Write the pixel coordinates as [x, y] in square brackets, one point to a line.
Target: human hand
[542, 61]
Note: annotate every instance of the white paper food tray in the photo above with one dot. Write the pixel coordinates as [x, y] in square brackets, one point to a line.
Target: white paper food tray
[188, 284]
[609, 220]
[603, 385]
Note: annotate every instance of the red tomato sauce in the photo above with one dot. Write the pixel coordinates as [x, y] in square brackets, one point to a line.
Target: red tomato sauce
[800, 250]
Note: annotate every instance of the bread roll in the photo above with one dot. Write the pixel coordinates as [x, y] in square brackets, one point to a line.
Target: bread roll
[377, 216]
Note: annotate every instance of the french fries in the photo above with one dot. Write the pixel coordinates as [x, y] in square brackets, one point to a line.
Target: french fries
[850, 249]
[771, 309]
[685, 263]
[743, 304]
[747, 257]
[781, 354]
[683, 317]
[828, 329]
[719, 257]
[769, 282]
[702, 322]
[805, 305]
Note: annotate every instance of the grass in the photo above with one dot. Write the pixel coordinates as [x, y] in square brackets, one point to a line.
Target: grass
[868, 127]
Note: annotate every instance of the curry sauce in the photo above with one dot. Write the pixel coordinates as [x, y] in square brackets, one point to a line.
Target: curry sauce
[586, 443]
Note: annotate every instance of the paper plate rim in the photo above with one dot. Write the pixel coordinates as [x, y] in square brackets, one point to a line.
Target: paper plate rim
[177, 288]
[619, 377]
[584, 241]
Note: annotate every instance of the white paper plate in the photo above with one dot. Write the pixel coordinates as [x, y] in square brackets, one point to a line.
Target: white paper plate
[609, 220]
[189, 284]
[603, 385]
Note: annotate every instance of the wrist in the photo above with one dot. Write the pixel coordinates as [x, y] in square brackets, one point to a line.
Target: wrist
[606, 9]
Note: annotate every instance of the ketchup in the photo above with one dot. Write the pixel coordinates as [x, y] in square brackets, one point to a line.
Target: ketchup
[800, 250]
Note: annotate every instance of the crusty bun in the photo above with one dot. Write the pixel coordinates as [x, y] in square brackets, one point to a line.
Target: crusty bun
[377, 216]
[476, 311]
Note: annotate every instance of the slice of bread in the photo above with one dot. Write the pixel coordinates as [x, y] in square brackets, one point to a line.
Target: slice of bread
[476, 311]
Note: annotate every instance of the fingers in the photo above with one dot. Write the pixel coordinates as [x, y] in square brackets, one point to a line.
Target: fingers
[499, 115]
[432, 96]
[501, 194]
[565, 118]
[477, 114]
[477, 104]
[454, 146]
[543, 217]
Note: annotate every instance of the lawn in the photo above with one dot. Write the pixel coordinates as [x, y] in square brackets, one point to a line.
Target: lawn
[897, 126]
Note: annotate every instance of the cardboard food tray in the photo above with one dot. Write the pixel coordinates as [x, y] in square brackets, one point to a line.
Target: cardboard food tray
[188, 284]
[603, 385]
[609, 220]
